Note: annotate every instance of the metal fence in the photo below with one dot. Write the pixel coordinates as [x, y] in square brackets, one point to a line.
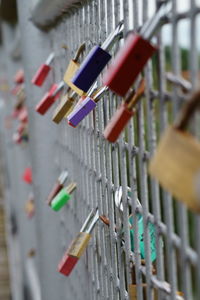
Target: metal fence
[100, 168]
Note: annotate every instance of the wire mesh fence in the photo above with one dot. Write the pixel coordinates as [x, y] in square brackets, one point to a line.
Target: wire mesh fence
[148, 239]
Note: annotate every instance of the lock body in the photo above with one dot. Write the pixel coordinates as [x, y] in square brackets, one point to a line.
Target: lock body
[47, 101]
[118, 122]
[27, 175]
[91, 67]
[128, 63]
[69, 74]
[41, 75]
[23, 115]
[19, 77]
[60, 200]
[64, 109]
[178, 155]
[67, 264]
[81, 111]
[79, 244]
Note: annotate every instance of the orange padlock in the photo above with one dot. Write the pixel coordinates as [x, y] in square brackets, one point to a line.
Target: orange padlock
[123, 114]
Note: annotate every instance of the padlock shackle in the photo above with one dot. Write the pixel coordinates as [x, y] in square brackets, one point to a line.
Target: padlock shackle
[92, 89]
[93, 222]
[71, 187]
[63, 177]
[100, 93]
[187, 112]
[50, 58]
[90, 216]
[135, 96]
[58, 89]
[150, 27]
[115, 35]
[79, 51]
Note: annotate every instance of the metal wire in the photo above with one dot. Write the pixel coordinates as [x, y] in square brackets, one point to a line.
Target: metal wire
[100, 168]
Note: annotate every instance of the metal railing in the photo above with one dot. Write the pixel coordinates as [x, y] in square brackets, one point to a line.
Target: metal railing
[100, 168]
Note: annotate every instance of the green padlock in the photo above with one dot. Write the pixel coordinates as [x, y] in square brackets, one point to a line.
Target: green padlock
[63, 197]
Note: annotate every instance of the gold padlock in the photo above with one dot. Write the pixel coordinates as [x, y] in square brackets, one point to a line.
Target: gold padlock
[132, 288]
[81, 241]
[71, 70]
[64, 108]
[176, 163]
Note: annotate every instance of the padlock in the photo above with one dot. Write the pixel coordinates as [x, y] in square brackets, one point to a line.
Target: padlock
[85, 107]
[64, 108]
[49, 98]
[19, 77]
[96, 60]
[30, 206]
[132, 288]
[133, 56]
[63, 197]
[43, 71]
[57, 186]
[78, 245]
[123, 114]
[151, 226]
[27, 175]
[23, 115]
[72, 69]
[176, 163]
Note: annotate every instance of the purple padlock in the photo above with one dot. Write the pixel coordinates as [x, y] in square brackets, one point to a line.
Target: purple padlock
[84, 108]
[96, 60]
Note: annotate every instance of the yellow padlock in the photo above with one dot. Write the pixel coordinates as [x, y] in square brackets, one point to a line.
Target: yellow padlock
[64, 108]
[71, 70]
[176, 163]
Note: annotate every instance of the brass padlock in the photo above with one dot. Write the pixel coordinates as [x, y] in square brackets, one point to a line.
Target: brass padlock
[79, 245]
[72, 68]
[176, 163]
[64, 108]
[132, 288]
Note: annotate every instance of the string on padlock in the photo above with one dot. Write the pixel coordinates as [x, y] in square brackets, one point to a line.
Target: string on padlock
[123, 114]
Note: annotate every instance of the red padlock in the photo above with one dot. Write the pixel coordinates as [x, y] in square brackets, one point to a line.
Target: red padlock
[49, 98]
[78, 245]
[19, 77]
[27, 176]
[43, 71]
[59, 184]
[132, 57]
[23, 115]
[123, 114]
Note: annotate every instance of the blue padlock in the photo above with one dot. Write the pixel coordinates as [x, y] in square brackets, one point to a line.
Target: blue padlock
[96, 60]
